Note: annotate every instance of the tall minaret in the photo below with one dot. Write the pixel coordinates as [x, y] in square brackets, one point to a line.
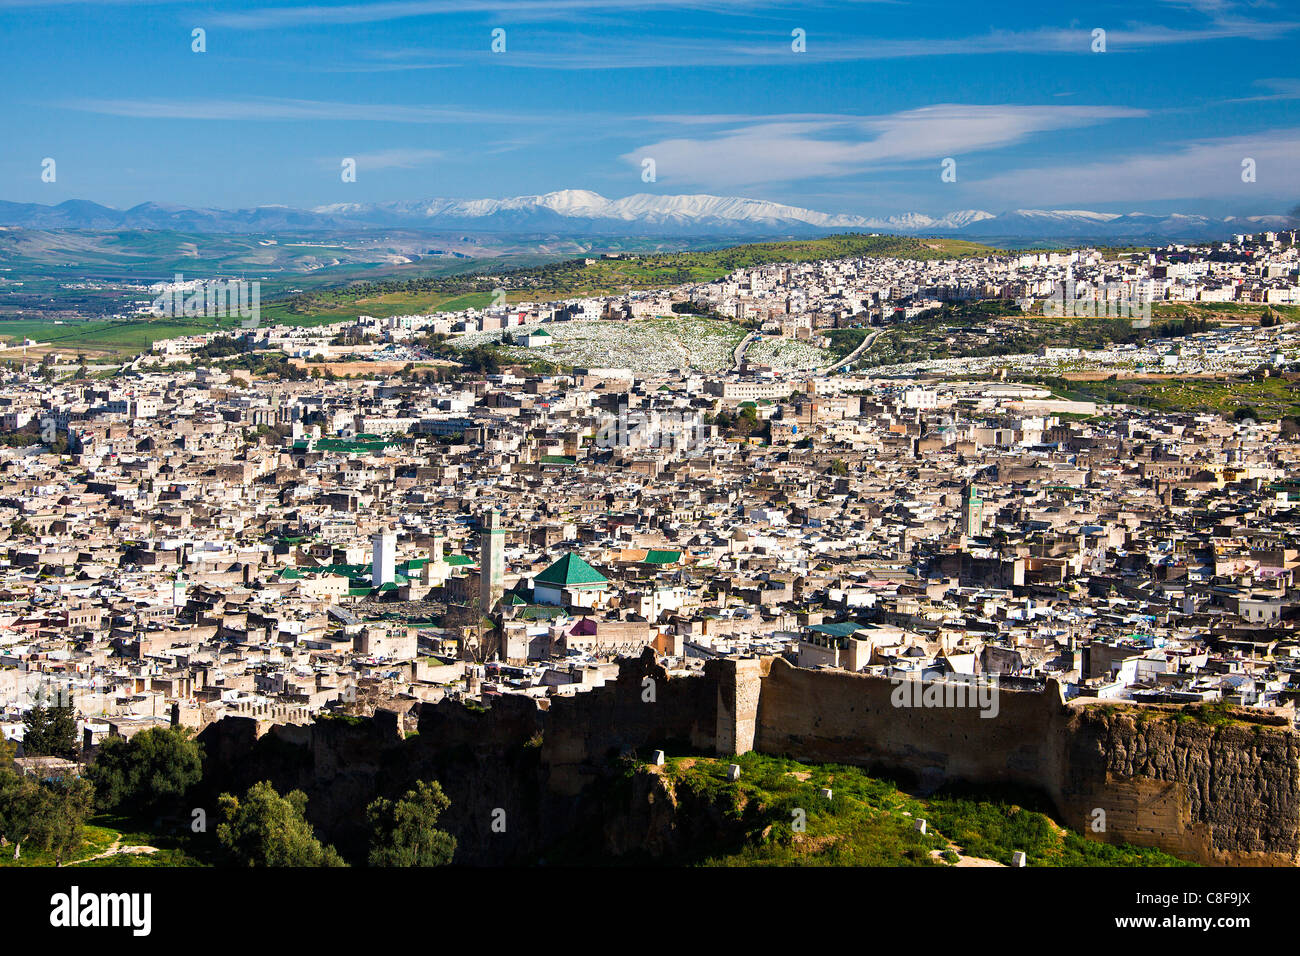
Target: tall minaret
[972, 512]
[383, 558]
[491, 562]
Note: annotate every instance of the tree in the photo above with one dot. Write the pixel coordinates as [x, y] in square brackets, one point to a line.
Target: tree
[50, 731]
[46, 815]
[59, 814]
[18, 798]
[404, 832]
[153, 769]
[266, 829]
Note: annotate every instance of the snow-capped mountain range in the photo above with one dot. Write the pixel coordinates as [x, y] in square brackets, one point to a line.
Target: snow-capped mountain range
[582, 212]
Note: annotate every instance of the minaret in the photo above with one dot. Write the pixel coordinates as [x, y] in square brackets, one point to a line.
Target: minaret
[491, 562]
[383, 563]
[972, 512]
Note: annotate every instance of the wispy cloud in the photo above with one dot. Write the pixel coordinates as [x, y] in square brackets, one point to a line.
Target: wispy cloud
[1199, 170]
[789, 149]
[390, 159]
[562, 50]
[18, 4]
[517, 11]
[270, 108]
[1283, 89]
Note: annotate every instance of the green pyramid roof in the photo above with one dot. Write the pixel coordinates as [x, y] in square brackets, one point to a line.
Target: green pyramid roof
[569, 571]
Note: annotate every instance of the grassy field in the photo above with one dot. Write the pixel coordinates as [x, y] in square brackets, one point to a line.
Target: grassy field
[870, 822]
[987, 328]
[106, 338]
[1228, 312]
[1264, 399]
[112, 840]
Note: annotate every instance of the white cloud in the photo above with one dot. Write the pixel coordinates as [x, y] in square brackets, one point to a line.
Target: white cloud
[1207, 169]
[518, 11]
[393, 158]
[1283, 89]
[787, 148]
[270, 108]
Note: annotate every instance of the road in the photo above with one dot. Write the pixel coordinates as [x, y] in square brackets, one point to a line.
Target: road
[738, 355]
[852, 356]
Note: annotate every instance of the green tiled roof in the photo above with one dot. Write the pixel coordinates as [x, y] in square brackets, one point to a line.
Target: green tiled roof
[570, 571]
[344, 570]
[662, 557]
[459, 560]
[842, 629]
[558, 460]
[369, 443]
[539, 612]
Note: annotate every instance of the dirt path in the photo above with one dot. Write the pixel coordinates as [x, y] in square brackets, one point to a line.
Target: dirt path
[963, 860]
[115, 849]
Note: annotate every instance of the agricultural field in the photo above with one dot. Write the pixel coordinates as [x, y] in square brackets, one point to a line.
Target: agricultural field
[102, 338]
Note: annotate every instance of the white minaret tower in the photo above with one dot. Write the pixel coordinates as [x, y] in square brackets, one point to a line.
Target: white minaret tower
[383, 564]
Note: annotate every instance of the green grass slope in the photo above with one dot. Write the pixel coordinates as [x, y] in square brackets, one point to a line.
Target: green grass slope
[870, 822]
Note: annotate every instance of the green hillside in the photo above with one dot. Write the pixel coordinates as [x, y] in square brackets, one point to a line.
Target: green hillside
[868, 821]
[575, 277]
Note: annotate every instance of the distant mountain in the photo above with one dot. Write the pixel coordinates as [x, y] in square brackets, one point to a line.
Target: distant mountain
[572, 212]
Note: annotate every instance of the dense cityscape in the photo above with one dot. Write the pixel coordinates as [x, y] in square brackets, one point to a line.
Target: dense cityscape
[627, 442]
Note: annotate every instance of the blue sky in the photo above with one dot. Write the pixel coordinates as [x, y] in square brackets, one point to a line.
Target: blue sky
[859, 122]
